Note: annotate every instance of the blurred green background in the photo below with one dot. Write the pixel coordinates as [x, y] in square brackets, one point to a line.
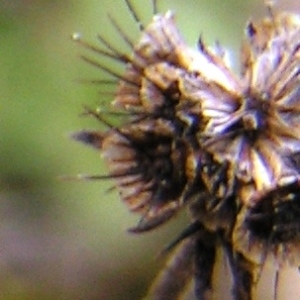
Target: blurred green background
[67, 239]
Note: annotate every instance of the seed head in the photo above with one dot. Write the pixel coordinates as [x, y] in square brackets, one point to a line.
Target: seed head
[196, 134]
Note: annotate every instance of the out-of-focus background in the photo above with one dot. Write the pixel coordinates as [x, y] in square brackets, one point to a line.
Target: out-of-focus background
[67, 239]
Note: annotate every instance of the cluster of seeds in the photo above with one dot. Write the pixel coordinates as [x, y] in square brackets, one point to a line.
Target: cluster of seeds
[224, 145]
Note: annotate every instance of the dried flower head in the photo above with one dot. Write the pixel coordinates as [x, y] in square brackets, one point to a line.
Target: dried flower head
[271, 106]
[224, 145]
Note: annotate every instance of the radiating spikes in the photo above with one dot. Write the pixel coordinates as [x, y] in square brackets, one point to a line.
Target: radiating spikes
[100, 66]
[286, 79]
[134, 15]
[119, 55]
[107, 70]
[124, 58]
[121, 32]
[98, 116]
[113, 55]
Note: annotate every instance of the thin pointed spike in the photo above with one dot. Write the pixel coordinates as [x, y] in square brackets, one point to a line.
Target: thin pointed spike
[97, 81]
[113, 93]
[104, 177]
[98, 116]
[115, 55]
[110, 190]
[121, 32]
[187, 232]
[134, 15]
[154, 4]
[113, 49]
[83, 177]
[107, 70]
[119, 113]
[100, 177]
[124, 58]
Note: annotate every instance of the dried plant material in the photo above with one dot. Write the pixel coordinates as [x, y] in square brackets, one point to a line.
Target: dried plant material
[272, 76]
[175, 277]
[195, 134]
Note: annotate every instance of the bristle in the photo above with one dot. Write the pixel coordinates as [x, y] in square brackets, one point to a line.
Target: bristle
[84, 177]
[106, 69]
[148, 223]
[121, 32]
[97, 115]
[155, 9]
[134, 15]
[98, 81]
[115, 54]
[108, 176]
[186, 233]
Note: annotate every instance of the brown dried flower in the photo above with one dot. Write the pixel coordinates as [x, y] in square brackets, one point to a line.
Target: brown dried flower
[224, 145]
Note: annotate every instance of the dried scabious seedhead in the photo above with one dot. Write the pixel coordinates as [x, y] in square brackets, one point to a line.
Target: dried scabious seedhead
[148, 164]
[148, 156]
[158, 60]
[252, 125]
[272, 106]
[225, 145]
